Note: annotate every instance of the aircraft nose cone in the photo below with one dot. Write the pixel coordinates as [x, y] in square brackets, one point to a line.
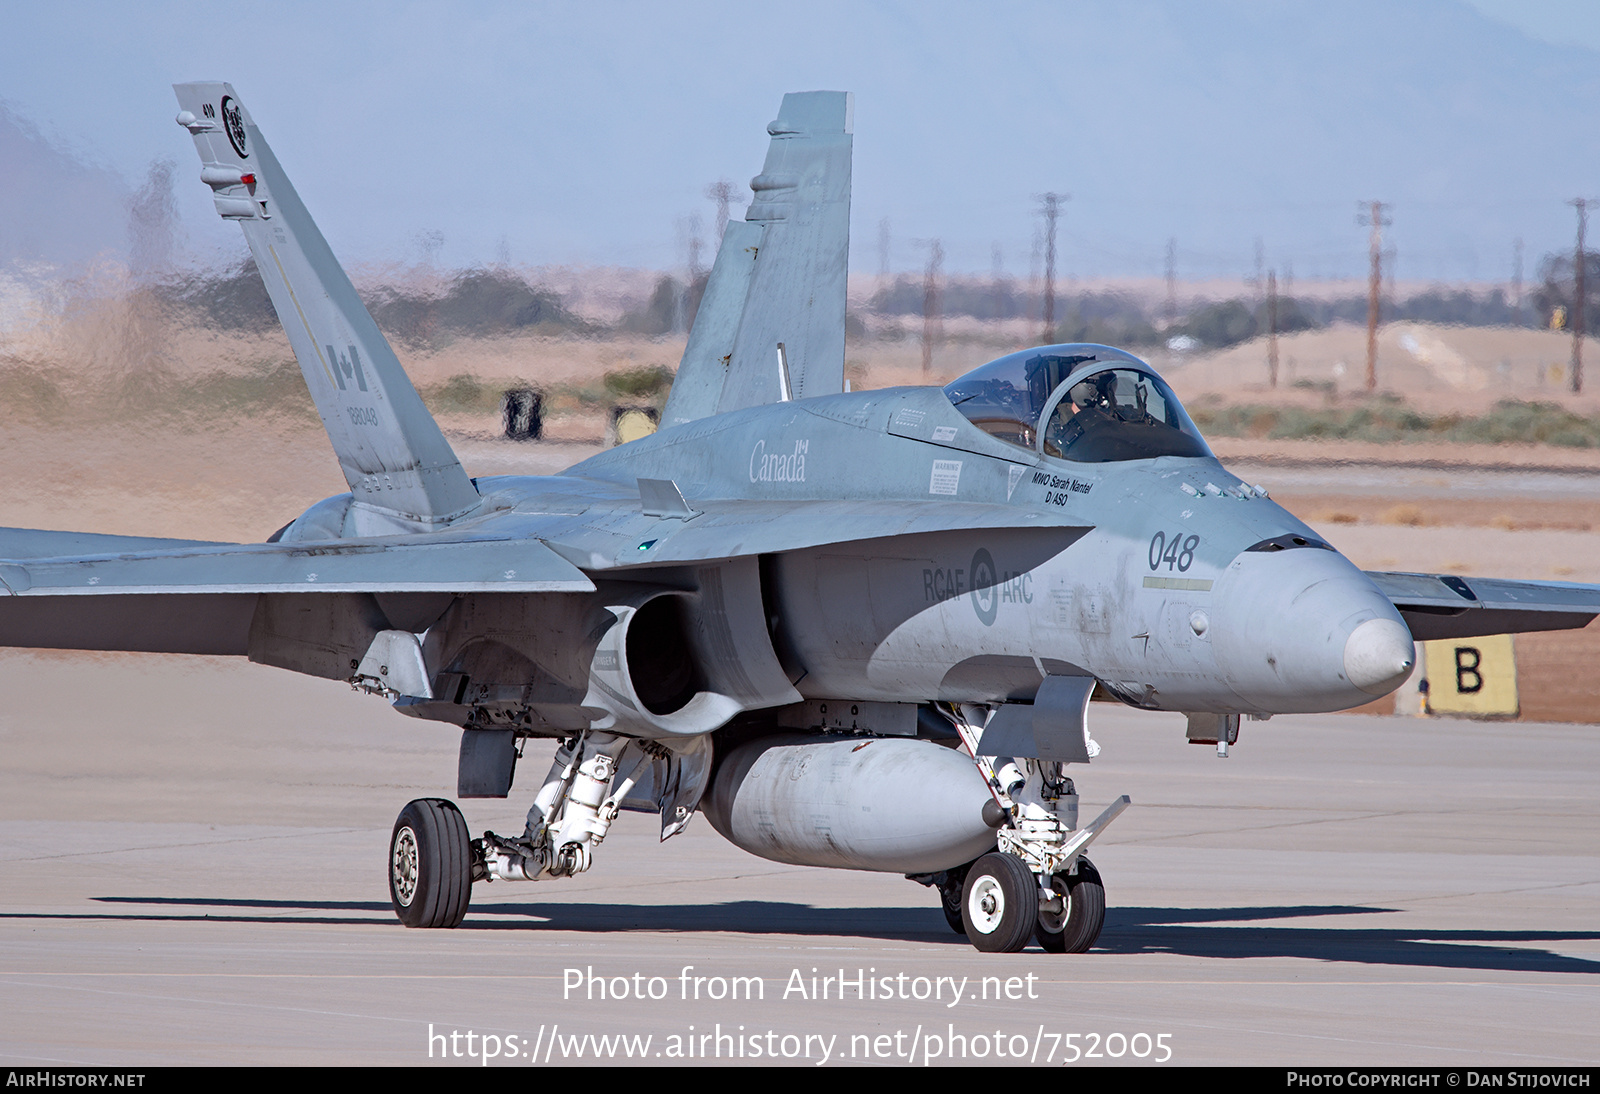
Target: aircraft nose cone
[1378, 656]
[1305, 630]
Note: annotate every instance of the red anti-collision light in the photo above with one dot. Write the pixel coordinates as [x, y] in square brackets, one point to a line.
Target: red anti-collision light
[248, 180]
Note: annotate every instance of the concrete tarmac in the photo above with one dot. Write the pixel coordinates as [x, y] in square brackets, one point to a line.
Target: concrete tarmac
[193, 870]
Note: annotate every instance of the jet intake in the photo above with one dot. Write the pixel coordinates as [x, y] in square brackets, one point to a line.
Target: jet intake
[644, 676]
[873, 803]
[660, 666]
[678, 662]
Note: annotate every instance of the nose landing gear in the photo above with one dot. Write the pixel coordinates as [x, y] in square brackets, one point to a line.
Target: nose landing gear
[1037, 883]
[1001, 905]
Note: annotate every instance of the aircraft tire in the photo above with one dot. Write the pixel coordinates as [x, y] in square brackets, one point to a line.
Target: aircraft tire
[950, 897]
[430, 864]
[1079, 928]
[999, 903]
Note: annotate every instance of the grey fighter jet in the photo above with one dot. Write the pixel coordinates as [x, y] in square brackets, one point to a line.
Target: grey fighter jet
[856, 630]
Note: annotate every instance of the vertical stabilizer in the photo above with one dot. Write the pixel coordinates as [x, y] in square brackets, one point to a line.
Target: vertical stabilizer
[780, 274]
[392, 452]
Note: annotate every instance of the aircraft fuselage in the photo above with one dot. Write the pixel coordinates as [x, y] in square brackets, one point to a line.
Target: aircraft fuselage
[1211, 598]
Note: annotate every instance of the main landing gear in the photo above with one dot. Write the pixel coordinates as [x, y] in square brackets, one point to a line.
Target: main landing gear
[1037, 884]
[433, 862]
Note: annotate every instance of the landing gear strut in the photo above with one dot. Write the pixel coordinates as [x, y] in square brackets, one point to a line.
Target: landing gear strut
[573, 811]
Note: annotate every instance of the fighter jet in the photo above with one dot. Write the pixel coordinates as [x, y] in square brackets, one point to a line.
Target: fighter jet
[853, 629]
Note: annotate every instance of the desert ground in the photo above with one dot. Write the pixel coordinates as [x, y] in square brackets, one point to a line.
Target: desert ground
[192, 871]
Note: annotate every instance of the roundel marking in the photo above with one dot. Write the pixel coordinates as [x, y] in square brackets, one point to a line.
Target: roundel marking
[985, 587]
[233, 123]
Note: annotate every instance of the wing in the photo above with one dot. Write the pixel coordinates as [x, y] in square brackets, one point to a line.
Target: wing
[204, 598]
[20, 543]
[779, 276]
[1447, 606]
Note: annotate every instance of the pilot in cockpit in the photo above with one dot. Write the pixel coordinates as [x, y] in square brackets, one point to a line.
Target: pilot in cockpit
[1124, 411]
[1093, 392]
[1091, 402]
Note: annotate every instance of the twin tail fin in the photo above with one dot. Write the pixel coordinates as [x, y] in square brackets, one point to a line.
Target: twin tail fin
[395, 458]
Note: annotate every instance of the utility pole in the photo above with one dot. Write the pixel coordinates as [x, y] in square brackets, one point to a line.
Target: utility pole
[722, 193]
[1172, 280]
[1375, 218]
[1516, 278]
[1582, 205]
[930, 306]
[689, 231]
[998, 286]
[1272, 328]
[883, 251]
[1050, 206]
[1035, 255]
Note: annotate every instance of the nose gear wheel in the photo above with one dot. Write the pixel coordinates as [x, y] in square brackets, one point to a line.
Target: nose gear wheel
[1000, 903]
[1076, 926]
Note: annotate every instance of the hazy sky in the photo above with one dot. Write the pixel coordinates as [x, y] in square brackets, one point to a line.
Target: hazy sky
[567, 133]
[1561, 22]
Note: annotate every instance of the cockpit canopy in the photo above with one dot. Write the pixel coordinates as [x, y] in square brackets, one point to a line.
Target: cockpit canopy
[1086, 403]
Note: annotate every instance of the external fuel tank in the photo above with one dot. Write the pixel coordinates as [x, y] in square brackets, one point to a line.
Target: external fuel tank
[877, 803]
